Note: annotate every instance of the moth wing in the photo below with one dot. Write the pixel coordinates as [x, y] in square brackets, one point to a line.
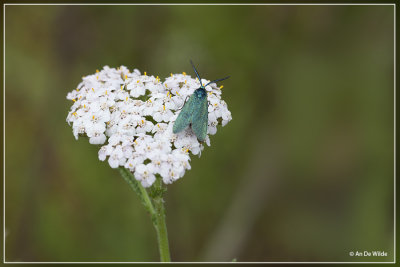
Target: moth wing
[200, 119]
[185, 116]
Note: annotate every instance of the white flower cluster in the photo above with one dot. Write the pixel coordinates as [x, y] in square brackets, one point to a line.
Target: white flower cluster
[132, 116]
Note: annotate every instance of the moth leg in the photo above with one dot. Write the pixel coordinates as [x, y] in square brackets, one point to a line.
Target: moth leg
[184, 103]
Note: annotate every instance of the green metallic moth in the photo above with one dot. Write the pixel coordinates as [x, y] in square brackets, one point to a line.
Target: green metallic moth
[194, 112]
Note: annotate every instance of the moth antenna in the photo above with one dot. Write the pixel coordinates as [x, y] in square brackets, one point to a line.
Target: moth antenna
[218, 80]
[198, 76]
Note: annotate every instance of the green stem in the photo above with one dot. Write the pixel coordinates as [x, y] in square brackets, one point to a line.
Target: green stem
[157, 211]
[161, 227]
[139, 189]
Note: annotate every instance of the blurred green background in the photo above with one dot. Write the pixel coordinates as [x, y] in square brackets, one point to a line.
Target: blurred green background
[303, 172]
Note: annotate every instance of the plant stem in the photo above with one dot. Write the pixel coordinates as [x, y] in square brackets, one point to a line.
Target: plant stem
[157, 211]
[139, 189]
[161, 227]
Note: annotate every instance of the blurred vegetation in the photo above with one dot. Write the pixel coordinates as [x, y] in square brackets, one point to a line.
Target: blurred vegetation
[304, 172]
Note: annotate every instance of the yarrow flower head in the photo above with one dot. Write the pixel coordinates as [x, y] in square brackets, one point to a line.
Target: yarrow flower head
[132, 115]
